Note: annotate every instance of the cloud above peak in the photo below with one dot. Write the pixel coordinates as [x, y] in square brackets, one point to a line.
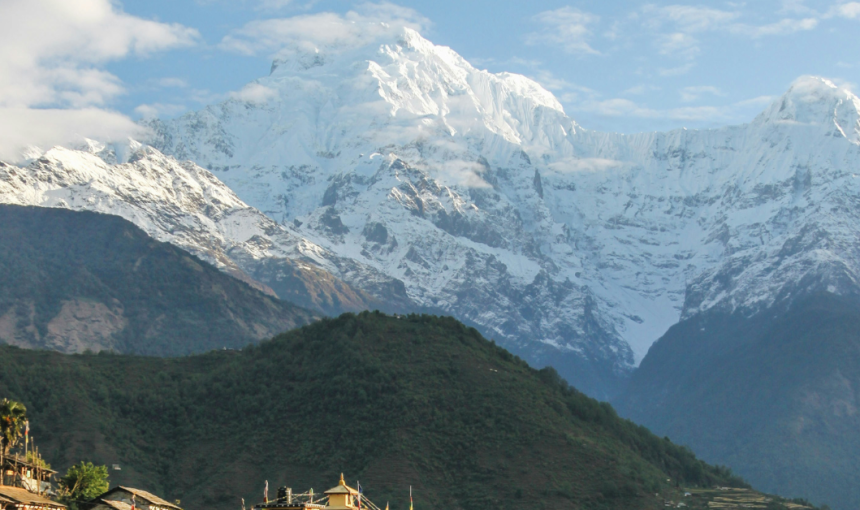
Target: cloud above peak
[567, 28]
[685, 20]
[326, 30]
[52, 51]
[52, 61]
[688, 18]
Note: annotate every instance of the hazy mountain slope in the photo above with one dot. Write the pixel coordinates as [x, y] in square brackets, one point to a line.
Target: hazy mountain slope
[479, 194]
[773, 395]
[392, 402]
[74, 281]
[185, 205]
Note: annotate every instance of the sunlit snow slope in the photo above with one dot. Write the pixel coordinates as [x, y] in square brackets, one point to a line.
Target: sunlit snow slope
[187, 206]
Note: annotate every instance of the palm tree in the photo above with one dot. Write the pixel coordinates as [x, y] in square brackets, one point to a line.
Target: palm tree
[13, 415]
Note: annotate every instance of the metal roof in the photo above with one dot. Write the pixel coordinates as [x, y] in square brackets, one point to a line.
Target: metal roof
[116, 505]
[146, 496]
[23, 496]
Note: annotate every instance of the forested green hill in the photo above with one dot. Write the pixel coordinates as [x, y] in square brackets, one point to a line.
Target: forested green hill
[392, 402]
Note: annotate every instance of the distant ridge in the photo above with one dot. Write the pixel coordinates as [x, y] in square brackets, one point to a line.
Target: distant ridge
[81, 281]
[774, 395]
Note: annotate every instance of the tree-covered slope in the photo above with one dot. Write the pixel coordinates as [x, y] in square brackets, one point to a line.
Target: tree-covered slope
[71, 281]
[392, 402]
[774, 396]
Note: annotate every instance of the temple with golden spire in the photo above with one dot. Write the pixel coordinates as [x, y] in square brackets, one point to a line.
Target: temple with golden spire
[340, 497]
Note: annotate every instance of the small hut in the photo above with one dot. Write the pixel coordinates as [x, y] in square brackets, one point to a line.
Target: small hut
[122, 498]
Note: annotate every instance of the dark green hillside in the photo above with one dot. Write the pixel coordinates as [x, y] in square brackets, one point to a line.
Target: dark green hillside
[774, 396]
[392, 402]
[72, 281]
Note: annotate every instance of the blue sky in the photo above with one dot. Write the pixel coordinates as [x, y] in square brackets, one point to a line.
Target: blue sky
[616, 66]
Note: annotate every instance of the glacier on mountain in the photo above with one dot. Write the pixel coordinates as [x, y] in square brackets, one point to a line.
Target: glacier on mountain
[397, 167]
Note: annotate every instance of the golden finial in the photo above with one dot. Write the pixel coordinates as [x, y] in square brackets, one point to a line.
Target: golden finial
[341, 479]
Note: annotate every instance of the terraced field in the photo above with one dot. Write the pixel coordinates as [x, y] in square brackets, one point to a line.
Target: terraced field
[726, 497]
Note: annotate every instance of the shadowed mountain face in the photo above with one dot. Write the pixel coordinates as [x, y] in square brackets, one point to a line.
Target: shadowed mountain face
[75, 281]
[393, 402]
[774, 395]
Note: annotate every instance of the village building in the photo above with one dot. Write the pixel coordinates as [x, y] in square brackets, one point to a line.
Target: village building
[17, 472]
[123, 498]
[342, 497]
[25, 486]
[16, 498]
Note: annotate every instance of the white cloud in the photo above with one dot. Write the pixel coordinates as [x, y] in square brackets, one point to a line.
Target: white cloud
[564, 90]
[326, 30]
[155, 110]
[638, 90]
[688, 18]
[756, 102]
[795, 7]
[550, 81]
[254, 93]
[22, 127]
[690, 94]
[625, 108]
[781, 27]
[676, 71]
[51, 58]
[205, 96]
[170, 82]
[260, 5]
[676, 26]
[568, 28]
[678, 44]
[273, 5]
[850, 10]
[570, 165]
[464, 173]
[619, 107]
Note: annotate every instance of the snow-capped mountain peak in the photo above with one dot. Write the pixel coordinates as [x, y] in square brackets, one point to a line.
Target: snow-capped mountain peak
[404, 79]
[816, 101]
